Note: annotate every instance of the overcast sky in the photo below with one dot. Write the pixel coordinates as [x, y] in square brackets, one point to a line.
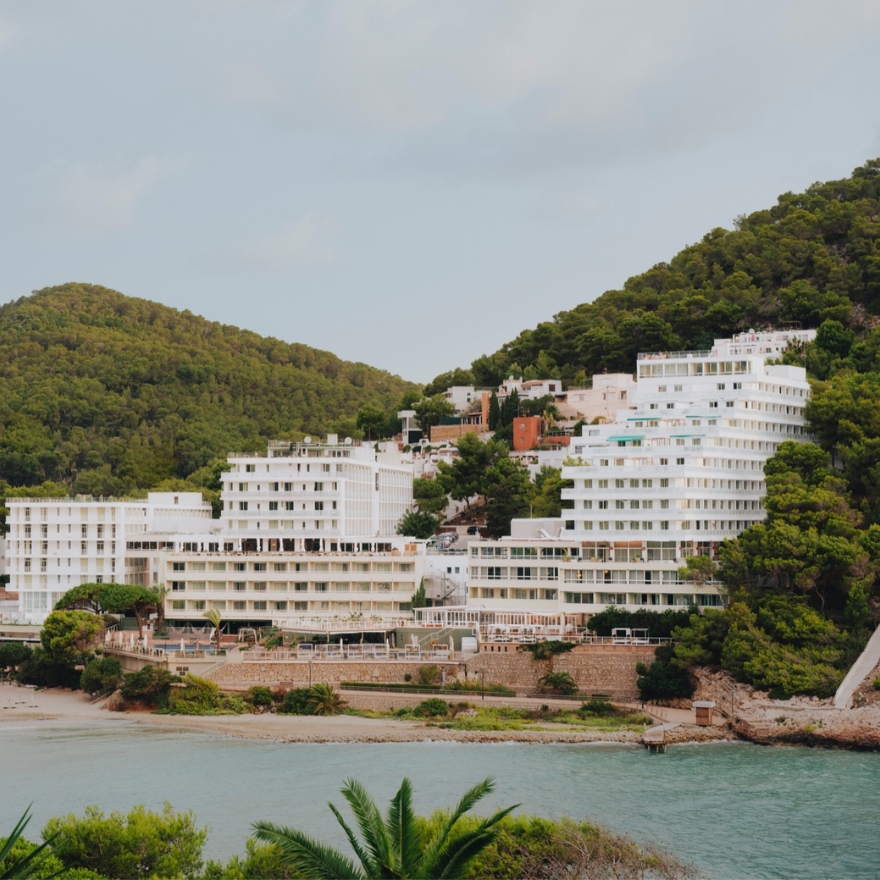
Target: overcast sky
[409, 184]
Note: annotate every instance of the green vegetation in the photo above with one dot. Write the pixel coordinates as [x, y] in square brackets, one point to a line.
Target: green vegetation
[416, 524]
[21, 859]
[101, 676]
[140, 844]
[449, 843]
[543, 849]
[813, 257]
[397, 846]
[107, 394]
[13, 655]
[198, 696]
[324, 699]
[549, 649]
[296, 702]
[559, 682]
[112, 599]
[149, 686]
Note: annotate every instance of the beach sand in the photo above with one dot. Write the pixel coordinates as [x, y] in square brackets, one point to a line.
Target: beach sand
[62, 708]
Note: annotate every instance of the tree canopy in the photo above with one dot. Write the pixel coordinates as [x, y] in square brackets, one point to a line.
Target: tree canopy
[107, 393]
[812, 257]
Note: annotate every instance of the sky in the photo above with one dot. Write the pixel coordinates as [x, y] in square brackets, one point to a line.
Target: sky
[409, 184]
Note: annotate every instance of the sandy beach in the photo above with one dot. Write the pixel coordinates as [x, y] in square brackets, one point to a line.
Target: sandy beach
[61, 708]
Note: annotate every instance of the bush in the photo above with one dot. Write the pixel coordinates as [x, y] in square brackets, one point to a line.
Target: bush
[101, 676]
[259, 696]
[658, 623]
[663, 681]
[13, 654]
[202, 697]
[149, 685]
[547, 650]
[296, 702]
[597, 709]
[42, 670]
[876, 684]
[139, 844]
[431, 708]
[429, 675]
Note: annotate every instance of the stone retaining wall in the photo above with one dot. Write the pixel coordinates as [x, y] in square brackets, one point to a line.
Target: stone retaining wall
[606, 670]
[609, 671]
[298, 672]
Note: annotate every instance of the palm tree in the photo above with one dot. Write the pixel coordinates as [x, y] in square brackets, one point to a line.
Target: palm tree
[561, 682]
[392, 847]
[161, 591]
[325, 700]
[216, 620]
[30, 865]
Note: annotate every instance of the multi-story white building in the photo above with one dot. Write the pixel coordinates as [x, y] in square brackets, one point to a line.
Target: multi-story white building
[677, 473]
[363, 579]
[55, 544]
[296, 504]
[299, 494]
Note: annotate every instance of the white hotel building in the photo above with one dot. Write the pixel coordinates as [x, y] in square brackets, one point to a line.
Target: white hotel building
[55, 544]
[307, 529]
[680, 471]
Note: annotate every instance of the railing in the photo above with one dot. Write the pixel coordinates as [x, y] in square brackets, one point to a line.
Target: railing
[664, 355]
[336, 653]
[327, 626]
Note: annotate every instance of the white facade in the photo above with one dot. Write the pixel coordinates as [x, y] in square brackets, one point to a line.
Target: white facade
[610, 393]
[55, 544]
[368, 579]
[680, 471]
[300, 491]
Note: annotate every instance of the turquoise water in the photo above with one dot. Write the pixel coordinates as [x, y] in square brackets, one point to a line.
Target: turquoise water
[736, 810]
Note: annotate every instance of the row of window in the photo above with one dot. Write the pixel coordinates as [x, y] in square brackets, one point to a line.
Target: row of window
[198, 565]
[293, 587]
[259, 605]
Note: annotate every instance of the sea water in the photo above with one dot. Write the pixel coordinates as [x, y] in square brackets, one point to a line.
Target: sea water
[735, 810]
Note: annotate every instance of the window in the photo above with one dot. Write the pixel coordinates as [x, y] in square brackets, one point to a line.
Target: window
[273, 505]
[619, 484]
[319, 505]
[242, 505]
[178, 566]
[603, 505]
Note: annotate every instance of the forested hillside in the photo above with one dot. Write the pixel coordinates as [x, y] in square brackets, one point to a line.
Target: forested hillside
[107, 393]
[811, 257]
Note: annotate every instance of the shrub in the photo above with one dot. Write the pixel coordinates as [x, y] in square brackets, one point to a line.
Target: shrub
[259, 696]
[149, 685]
[202, 697]
[876, 684]
[597, 708]
[296, 702]
[429, 675]
[13, 654]
[432, 707]
[139, 844]
[547, 650]
[663, 681]
[101, 676]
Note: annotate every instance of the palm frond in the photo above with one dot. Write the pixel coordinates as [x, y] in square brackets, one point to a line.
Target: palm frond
[30, 864]
[402, 830]
[468, 799]
[371, 868]
[453, 857]
[309, 858]
[369, 819]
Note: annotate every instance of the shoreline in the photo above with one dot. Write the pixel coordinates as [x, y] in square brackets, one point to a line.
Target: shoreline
[56, 707]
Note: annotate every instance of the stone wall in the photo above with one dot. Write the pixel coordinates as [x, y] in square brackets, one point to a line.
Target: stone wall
[597, 670]
[298, 672]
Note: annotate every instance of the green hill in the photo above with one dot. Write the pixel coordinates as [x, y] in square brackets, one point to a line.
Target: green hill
[109, 393]
[811, 257]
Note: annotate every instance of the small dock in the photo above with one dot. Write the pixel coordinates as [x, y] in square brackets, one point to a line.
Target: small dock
[655, 738]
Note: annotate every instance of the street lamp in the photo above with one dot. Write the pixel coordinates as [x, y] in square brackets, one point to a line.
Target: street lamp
[483, 685]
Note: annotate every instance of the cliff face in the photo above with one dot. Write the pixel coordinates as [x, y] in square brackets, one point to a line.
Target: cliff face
[800, 720]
